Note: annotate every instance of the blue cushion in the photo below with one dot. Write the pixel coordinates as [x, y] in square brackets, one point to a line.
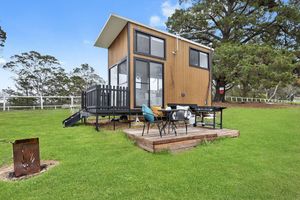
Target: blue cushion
[147, 113]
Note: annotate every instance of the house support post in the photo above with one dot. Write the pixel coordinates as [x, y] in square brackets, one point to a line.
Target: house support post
[97, 122]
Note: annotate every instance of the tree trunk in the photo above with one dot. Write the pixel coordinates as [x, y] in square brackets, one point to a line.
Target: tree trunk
[219, 97]
[245, 90]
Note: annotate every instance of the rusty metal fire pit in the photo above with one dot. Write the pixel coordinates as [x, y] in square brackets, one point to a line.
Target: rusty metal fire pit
[26, 156]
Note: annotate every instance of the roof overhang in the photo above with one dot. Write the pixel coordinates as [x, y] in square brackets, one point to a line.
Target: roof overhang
[115, 24]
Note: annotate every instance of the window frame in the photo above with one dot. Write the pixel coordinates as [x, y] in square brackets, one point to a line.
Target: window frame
[148, 54]
[124, 60]
[198, 66]
[148, 61]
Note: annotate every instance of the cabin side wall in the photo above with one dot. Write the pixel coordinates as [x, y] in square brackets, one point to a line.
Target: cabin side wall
[182, 83]
[118, 50]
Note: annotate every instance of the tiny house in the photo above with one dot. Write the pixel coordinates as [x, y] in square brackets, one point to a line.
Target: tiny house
[157, 67]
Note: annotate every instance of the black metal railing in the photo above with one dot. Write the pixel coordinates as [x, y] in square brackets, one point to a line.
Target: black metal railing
[105, 98]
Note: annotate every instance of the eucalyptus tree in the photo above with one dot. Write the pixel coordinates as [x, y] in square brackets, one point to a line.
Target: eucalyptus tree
[215, 22]
[2, 37]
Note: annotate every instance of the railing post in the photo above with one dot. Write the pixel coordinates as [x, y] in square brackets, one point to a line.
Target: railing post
[4, 102]
[42, 103]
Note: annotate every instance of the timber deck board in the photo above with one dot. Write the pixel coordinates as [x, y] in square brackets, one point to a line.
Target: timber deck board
[154, 143]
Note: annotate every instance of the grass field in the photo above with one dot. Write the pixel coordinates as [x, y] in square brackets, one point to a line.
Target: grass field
[263, 163]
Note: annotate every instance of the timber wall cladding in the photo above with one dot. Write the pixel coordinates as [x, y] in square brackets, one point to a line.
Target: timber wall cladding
[119, 48]
[182, 83]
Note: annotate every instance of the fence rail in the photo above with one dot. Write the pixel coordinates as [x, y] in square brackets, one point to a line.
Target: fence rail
[257, 100]
[40, 102]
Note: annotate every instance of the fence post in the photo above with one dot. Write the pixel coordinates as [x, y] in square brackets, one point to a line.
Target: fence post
[42, 105]
[4, 101]
[72, 102]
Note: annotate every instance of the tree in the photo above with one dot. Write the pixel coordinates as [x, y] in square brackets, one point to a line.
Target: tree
[253, 68]
[2, 37]
[82, 77]
[227, 58]
[217, 22]
[34, 72]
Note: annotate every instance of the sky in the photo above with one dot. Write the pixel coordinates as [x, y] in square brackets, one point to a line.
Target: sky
[68, 29]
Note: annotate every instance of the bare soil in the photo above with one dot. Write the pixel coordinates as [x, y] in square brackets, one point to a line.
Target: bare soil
[7, 171]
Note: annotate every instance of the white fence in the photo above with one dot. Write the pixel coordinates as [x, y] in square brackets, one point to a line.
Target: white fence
[258, 100]
[40, 102]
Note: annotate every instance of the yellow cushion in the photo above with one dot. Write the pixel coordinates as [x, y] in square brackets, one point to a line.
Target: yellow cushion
[156, 112]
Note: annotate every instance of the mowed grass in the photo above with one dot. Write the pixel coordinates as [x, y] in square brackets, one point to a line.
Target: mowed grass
[263, 163]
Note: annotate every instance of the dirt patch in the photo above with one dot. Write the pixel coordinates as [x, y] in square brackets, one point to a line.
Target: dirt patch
[7, 172]
[256, 105]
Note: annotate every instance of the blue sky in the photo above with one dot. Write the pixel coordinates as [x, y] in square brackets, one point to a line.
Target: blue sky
[68, 29]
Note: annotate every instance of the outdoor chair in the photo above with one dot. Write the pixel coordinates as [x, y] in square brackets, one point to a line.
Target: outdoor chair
[150, 118]
[181, 115]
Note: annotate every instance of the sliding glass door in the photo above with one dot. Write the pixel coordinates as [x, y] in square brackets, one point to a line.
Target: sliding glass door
[148, 83]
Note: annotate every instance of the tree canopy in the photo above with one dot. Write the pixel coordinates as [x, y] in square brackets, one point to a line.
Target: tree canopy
[37, 74]
[242, 33]
[254, 68]
[241, 21]
[2, 37]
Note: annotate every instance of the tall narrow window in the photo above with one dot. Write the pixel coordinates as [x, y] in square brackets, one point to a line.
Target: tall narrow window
[194, 57]
[199, 59]
[114, 75]
[157, 47]
[149, 45]
[118, 74]
[123, 74]
[142, 43]
[204, 60]
[148, 83]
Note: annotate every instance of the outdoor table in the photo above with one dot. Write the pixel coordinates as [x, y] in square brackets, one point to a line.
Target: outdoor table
[201, 110]
[168, 114]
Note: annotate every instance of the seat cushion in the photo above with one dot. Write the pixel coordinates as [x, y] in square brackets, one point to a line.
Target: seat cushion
[156, 112]
[147, 113]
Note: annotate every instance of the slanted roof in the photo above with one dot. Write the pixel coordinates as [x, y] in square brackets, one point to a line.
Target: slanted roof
[115, 24]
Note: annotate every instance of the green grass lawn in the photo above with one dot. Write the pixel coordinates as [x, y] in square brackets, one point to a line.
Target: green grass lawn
[263, 163]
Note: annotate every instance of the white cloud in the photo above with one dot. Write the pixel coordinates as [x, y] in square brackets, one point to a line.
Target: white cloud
[167, 9]
[156, 21]
[87, 42]
[2, 62]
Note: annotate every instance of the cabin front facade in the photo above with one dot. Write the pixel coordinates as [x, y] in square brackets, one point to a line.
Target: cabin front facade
[157, 67]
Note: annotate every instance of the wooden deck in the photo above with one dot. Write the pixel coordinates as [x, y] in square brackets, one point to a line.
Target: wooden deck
[154, 143]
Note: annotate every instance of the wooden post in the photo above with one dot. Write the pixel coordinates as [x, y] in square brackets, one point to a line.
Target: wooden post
[72, 102]
[42, 105]
[4, 102]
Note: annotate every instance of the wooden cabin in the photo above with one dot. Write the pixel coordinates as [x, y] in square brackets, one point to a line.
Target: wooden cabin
[158, 67]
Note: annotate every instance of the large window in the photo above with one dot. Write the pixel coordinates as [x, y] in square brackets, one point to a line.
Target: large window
[149, 45]
[148, 83]
[199, 59]
[118, 74]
